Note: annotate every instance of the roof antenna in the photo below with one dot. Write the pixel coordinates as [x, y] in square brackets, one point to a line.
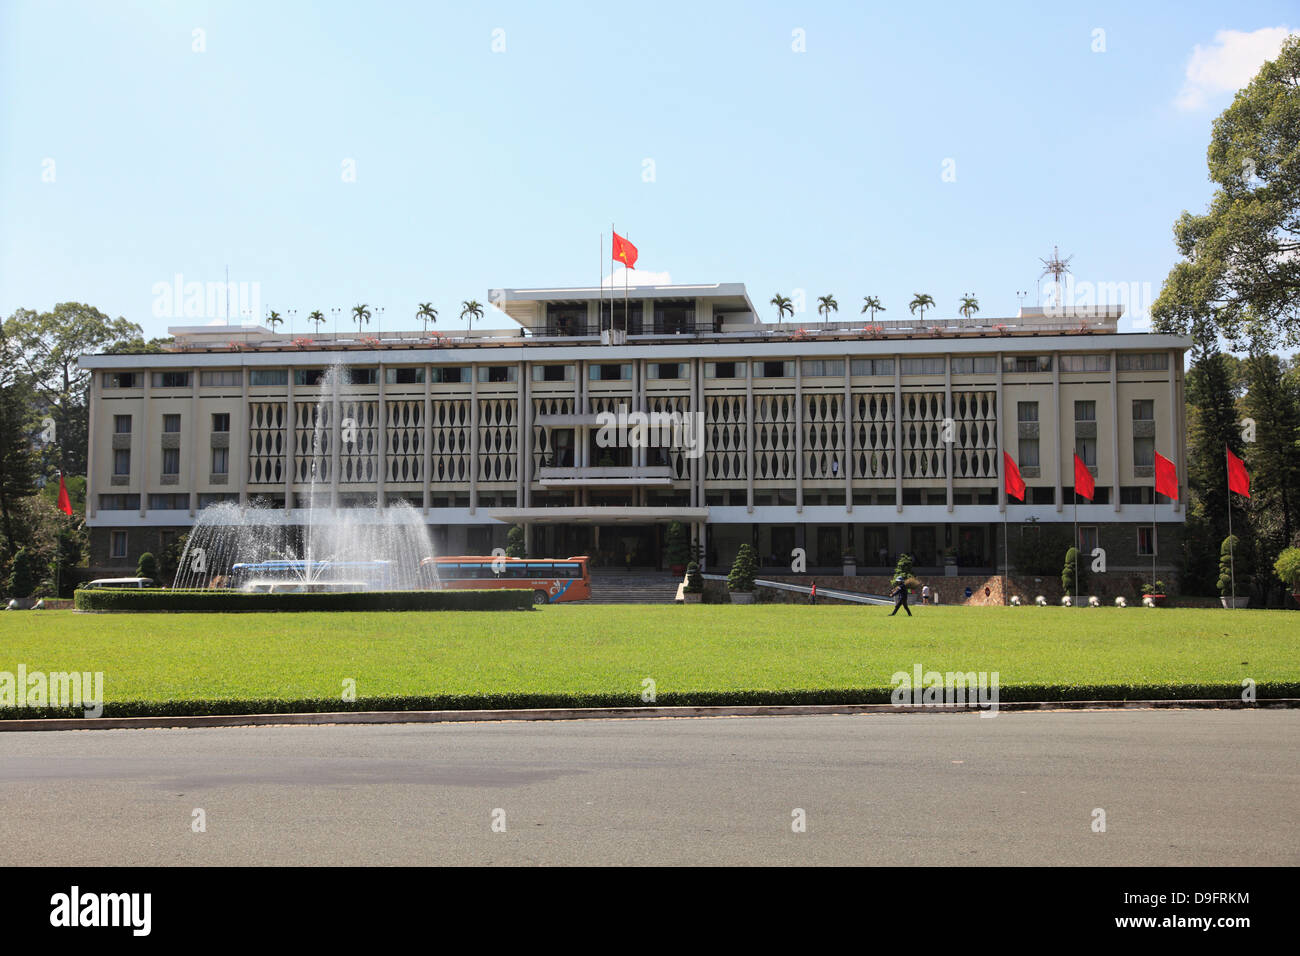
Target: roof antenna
[1057, 268]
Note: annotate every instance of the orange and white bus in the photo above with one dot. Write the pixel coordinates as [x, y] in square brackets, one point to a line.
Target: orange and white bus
[550, 579]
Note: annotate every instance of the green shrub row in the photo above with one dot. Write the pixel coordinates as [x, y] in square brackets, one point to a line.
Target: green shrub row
[159, 599]
[737, 698]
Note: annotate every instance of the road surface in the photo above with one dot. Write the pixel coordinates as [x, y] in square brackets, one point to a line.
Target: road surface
[1177, 787]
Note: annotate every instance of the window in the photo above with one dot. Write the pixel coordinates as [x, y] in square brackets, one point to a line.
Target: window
[171, 461]
[362, 376]
[872, 367]
[1028, 453]
[609, 373]
[823, 368]
[171, 423]
[268, 377]
[169, 502]
[552, 373]
[1026, 363]
[1085, 411]
[1144, 450]
[1040, 496]
[119, 502]
[1136, 495]
[220, 461]
[121, 424]
[564, 319]
[121, 462]
[221, 421]
[1142, 362]
[404, 376]
[774, 369]
[225, 377]
[1085, 432]
[1144, 410]
[921, 366]
[1146, 541]
[497, 373]
[121, 380]
[449, 374]
[216, 498]
[308, 376]
[724, 369]
[974, 365]
[1026, 411]
[667, 370]
[1085, 363]
[118, 547]
[171, 379]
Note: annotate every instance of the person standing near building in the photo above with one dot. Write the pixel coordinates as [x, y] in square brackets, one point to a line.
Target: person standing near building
[813, 592]
[925, 594]
[899, 594]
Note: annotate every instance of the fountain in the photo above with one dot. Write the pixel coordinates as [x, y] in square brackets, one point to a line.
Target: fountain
[320, 547]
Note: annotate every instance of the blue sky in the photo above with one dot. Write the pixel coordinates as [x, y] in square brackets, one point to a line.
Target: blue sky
[476, 168]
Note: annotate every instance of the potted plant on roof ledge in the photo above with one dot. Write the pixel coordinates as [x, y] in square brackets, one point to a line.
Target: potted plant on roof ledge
[740, 582]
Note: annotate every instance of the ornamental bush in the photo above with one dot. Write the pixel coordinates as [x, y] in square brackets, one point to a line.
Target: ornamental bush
[743, 570]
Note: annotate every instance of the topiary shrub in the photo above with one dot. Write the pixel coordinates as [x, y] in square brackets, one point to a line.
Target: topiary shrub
[515, 542]
[904, 567]
[22, 575]
[1073, 574]
[148, 566]
[694, 579]
[743, 570]
[677, 549]
[1231, 558]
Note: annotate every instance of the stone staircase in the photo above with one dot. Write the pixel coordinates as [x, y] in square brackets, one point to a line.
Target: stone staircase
[635, 587]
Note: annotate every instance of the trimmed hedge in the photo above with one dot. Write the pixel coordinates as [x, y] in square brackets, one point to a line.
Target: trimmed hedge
[1265, 692]
[162, 599]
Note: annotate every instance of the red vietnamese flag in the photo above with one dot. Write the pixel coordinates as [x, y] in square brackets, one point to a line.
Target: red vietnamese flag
[1084, 486]
[1015, 485]
[65, 503]
[623, 251]
[1238, 479]
[1166, 477]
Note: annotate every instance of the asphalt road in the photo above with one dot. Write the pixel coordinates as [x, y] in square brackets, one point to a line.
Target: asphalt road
[1177, 787]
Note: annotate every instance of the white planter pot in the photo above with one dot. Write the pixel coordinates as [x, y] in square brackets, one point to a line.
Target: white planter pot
[850, 570]
[1239, 601]
[742, 597]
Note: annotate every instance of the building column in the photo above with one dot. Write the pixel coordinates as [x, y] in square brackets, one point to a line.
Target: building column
[1175, 441]
[426, 453]
[798, 435]
[1056, 432]
[847, 444]
[335, 442]
[146, 434]
[290, 462]
[194, 442]
[94, 403]
[898, 434]
[999, 410]
[948, 420]
[473, 439]
[1114, 425]
[521, 434]
[749, 436]
[526, 420]
[381, 449]
[241, 443]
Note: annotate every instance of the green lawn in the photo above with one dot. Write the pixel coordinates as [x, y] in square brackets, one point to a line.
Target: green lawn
[601, 654]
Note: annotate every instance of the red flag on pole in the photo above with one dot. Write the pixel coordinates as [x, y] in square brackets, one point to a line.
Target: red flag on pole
[623, 251]
[1015, 485]
[1238, 479]
[65, 503]
[1166, 477]
[1084, 486]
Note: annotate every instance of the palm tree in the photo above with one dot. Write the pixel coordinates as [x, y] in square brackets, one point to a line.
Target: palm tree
[871, 304]
[969, 305]
[426, 313]
[783, 305]
[318, 317]
[360, 315]
[826, 304]
[274, 320]
[922, 301]
[470, 311]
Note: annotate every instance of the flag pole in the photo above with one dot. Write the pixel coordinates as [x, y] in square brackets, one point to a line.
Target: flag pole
[1076, 542]
[600, 290]
[1153, 526]
[1232, 566]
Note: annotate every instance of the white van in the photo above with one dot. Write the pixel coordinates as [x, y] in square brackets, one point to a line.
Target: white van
[121, 583]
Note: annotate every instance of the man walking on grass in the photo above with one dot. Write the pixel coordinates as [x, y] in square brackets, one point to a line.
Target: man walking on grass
[899, 594]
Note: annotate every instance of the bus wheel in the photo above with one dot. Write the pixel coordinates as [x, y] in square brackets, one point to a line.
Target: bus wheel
[540, 597]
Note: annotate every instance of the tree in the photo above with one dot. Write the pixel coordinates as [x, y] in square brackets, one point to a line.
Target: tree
[921, 301]
[426, 313]
[826, 304]
[969, 305]
[47, 345]
[1073, 575]
[1240, 272]
[17, 462]
[743, 570]
[903, 569]
[147, 567]
[872, 304]
[316, 318]
[676, 548]
[274, 320]
[470, 311]
[22, 576]
[1234, 567]
[1274, 457]
[1287, 569]
[361, 315]
[515, 542]
[694, 579]
[783, 307]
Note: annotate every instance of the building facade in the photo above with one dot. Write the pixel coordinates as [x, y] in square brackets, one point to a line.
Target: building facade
[837, 438]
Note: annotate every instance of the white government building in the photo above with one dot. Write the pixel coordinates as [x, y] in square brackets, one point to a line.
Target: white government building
[843, 437]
